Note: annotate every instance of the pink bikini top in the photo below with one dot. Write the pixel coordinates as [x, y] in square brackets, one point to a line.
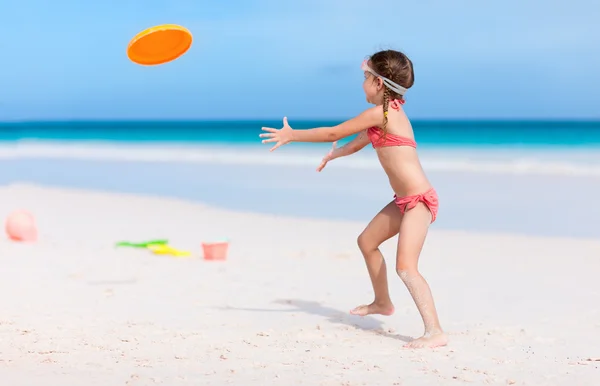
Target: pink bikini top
[378, 140]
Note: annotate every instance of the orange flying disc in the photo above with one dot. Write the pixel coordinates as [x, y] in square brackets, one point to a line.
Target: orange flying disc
[159, 44]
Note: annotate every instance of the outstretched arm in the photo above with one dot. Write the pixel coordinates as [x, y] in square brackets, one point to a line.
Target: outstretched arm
[350, 148]
[368, 118]
[358, 143]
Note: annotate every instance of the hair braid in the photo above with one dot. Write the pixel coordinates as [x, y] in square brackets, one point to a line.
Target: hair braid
[387, 95]
[386, 103]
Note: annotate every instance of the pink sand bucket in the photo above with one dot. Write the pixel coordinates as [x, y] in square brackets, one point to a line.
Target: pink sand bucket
[215, 251]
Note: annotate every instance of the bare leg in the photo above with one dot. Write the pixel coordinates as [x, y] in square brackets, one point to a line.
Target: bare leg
[413, 230]
[384, 226]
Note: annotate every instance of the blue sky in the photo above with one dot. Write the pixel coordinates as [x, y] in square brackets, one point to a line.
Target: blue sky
[65, 59]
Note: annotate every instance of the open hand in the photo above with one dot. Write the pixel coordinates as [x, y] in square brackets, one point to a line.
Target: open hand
[328, 157]
[281, 136]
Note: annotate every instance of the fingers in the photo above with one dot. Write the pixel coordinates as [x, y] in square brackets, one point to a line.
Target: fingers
[334, 144]
[272, 136]
[323, 163]
[276, 146]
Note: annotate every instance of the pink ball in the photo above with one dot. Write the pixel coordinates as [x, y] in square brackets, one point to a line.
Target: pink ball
[20, 226]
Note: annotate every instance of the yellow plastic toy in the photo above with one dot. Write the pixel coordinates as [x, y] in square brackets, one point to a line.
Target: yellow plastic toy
[164, 249]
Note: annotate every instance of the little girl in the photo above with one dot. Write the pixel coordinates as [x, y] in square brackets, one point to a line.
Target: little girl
[388, 75]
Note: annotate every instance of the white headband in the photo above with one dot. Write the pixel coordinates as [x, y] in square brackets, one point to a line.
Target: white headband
[395, 87]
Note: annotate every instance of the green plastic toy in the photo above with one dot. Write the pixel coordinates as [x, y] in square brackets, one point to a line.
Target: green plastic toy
[145, 244]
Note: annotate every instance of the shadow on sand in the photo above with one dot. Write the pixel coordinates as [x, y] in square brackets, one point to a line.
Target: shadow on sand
[366, 323]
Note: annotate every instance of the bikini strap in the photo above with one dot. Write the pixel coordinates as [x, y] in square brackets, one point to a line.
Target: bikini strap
[395, 103]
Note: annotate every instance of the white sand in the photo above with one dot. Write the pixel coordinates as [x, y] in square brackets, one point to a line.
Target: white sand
[74, 310]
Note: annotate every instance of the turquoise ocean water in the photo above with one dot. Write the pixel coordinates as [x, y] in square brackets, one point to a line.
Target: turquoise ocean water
[428, 133]
[530, 177]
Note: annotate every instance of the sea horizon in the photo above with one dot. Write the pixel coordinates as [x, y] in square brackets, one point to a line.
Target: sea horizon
[428, 132]
[551, 121]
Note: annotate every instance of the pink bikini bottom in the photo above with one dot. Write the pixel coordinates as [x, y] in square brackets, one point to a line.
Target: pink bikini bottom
[429, 198]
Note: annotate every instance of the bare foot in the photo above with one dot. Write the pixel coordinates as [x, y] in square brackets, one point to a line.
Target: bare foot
[429, 341]
[374, 308]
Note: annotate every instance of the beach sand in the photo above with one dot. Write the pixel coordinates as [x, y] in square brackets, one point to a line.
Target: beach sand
[75, 310]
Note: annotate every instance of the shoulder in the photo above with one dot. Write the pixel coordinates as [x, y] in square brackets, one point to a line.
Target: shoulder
[374, 114]
[365, 120]
[371, 117]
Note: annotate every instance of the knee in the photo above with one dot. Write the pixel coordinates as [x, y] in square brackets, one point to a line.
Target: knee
[407, 272]
[365, 244]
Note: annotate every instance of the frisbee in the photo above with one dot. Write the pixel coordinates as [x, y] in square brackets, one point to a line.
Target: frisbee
[159, 44]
